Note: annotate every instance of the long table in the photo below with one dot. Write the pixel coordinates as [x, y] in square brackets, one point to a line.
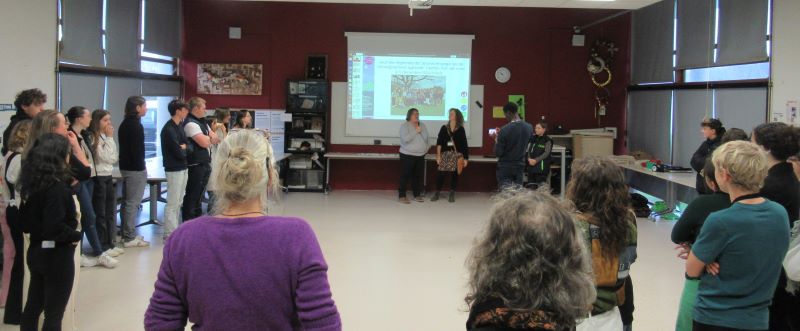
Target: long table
[674, 186]
[430, 157]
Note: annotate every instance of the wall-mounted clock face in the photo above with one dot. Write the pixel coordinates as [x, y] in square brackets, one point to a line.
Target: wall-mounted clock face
[502, 74]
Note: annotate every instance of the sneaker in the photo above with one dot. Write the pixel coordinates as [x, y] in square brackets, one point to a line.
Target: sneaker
[452, 197]
[404, 200]
[420, 198]
[88, 261]
[107, 261]
[435, 197]
[137, 242]
[118, 250]
[111, 252]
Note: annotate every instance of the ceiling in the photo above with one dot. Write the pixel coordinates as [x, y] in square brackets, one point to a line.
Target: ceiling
[593, 4]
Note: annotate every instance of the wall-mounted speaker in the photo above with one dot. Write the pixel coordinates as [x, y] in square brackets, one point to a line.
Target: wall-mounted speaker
[317, 67]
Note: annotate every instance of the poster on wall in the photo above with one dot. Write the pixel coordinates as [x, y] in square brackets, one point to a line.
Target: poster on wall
[788, 115]
[229, 79]
[519, 99]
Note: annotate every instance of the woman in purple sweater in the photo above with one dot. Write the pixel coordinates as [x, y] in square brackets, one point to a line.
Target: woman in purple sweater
[241, 269]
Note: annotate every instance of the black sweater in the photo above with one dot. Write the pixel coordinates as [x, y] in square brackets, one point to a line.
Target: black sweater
[781, 186]
[699, 161]
[512, 140]
[460, 137]
[172, 138]
[131, 144]
[50, 215]
[688, 226]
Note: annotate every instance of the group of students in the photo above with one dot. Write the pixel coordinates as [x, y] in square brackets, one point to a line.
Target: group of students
[736, 234]
[518, 146]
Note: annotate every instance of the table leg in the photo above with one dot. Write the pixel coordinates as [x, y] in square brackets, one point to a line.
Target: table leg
[563, 171]
[327, 175]
[424, 175]
[155, 196]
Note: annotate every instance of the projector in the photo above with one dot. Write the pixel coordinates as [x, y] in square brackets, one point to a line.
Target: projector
[418, 4]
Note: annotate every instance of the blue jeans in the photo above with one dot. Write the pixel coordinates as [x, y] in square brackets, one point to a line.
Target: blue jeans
[88, 219]
[509, 175]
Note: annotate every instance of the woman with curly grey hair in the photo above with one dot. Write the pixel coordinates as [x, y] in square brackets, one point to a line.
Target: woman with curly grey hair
[530, 270]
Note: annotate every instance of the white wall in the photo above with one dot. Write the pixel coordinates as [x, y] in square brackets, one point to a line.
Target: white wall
[785, 52]
[28, 32]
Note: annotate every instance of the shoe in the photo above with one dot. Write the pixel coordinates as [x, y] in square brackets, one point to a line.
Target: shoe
[420, 198]
[452, 197]
[111, 252]
[107, 261]
[404, 200]
[137, 242]
[118, 250]
[88, 262]
[435, 197]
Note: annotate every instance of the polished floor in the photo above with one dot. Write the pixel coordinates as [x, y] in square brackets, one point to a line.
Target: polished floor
[392, 267]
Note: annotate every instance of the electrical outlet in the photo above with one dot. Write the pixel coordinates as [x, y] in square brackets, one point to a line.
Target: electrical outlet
[376, 142]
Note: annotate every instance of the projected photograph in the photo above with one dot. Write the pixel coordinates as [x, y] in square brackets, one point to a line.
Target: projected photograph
[423, 92]
[229, 79]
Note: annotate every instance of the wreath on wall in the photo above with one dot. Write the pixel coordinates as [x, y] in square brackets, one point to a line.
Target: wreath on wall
[601, 58]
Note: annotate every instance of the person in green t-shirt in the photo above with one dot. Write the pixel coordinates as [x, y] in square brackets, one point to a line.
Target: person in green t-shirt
[739, 251]
[685, 232]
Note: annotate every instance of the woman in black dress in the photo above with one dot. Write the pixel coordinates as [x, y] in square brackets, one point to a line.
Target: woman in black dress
[451, 145]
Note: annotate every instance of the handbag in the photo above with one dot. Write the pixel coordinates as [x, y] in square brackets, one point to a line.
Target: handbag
[460, 161]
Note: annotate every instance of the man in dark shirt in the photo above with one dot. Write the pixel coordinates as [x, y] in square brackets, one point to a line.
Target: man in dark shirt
[712, 130]
[198, 158]
[29, 103]
[511, 142]
[173, 152]
[132, 167]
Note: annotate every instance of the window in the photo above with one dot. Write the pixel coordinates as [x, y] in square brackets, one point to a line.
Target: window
[151, 140]
[158, 67]
[728, 73]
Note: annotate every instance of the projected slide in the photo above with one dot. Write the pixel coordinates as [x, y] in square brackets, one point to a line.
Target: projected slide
[385, 87]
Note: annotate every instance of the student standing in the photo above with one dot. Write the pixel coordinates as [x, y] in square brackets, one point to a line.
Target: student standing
[510, 143]
[413, 147]
[781, 141]
[173, 152]
[132, 167]
[451, 145]
[738, 253]
[539, 148]
[685, 232]
[286, 289]
[608, 225]
[14, 257]
[712, 130]
[104, 198]
[28, 103]
[80, 119]
[198, 159]
[244, 120]
[50, 215]
[549, 291]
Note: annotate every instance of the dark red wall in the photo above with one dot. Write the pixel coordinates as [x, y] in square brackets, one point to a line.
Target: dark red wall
[535, 43]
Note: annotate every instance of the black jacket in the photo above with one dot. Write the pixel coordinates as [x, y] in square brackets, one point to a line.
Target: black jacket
[460, 138]
[172, 154]
[781, 186]
[131, 144]
[19, 116]
[512, 140]
[50, 215]
[699, 161]
[196, 153]
[539, 148]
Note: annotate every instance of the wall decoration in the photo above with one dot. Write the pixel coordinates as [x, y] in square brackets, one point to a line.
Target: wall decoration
[229, 79]
[601, 57]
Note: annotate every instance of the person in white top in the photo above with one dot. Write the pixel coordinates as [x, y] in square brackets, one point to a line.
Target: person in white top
[14, 241]
[198, 158]
[104, 197]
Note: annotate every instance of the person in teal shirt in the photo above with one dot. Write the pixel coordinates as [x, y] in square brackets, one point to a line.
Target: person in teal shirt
[739, 250]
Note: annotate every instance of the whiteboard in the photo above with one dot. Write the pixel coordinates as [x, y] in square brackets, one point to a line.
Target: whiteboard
[339, 118]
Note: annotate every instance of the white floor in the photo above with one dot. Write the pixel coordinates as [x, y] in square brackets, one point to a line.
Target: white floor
[392, 267]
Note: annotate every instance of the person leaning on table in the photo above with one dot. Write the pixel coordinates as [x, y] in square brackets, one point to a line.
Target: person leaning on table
[413, 147]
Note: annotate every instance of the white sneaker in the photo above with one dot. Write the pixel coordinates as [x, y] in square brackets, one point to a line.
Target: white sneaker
[111, 252]
[118, 250]
[88, 262]
[137, 242]
[107, 261]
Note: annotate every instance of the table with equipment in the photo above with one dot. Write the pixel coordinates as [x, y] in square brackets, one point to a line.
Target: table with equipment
[672, 187]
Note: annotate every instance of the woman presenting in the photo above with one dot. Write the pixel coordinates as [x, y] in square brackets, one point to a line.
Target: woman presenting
[451, 146]
[413, 147]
